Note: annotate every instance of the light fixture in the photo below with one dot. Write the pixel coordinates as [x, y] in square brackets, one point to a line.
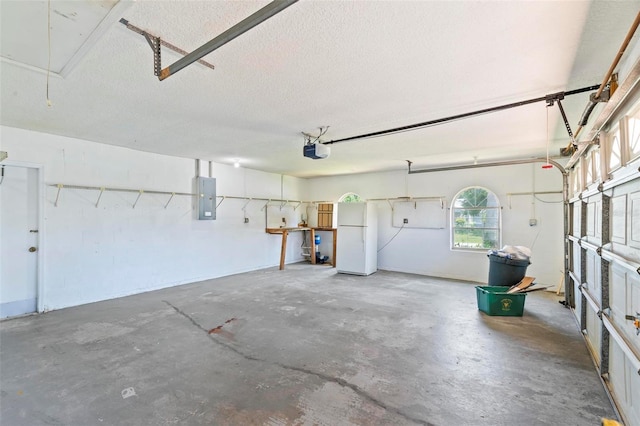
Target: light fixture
[236, 163]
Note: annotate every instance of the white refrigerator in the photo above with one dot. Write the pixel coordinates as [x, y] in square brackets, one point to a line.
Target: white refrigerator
[357, 242]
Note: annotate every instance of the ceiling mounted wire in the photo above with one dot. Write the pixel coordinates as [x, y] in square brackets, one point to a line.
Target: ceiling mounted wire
[49, 47]
[547, 165]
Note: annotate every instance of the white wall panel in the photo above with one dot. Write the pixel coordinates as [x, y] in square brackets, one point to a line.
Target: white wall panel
[427, 251]
[114, 250]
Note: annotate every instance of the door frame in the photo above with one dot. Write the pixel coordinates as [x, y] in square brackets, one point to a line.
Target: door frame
[40, 196]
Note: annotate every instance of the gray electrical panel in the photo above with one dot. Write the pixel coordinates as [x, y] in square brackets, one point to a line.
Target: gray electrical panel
[206, 188]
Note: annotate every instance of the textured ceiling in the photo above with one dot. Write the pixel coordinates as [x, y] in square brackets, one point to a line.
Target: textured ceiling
[356, 66]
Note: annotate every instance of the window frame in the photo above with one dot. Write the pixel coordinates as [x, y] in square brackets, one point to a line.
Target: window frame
[498, 208]
[609, 138]
[346, 198]
[633, 114]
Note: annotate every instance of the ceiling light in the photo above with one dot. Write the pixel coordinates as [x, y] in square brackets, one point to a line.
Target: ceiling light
[236, 163]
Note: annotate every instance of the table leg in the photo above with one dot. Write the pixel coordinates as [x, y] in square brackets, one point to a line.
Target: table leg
[312, 250]
[335, 242]
[283, 249]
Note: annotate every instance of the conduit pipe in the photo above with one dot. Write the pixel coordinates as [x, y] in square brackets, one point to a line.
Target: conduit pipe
[568, 293]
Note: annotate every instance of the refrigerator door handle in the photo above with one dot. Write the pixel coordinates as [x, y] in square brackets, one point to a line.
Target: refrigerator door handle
[364, 223]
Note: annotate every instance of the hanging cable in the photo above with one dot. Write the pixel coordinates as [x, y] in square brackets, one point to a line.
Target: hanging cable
[547, 165]
[49, 43]
[1, 175]
[547, 202]
[387, 243]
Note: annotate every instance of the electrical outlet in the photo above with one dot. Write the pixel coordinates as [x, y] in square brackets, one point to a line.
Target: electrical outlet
[533, 222]
[246, 220]
[405, 221]
[284, 220]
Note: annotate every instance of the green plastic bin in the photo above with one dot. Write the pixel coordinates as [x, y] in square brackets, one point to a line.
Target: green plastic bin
[496, 301]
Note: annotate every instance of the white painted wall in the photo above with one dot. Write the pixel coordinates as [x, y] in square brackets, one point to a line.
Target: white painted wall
[114, 250]
[99, 253]
[426, 251]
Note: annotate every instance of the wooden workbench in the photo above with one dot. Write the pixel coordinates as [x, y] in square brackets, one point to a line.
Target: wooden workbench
[285, 232]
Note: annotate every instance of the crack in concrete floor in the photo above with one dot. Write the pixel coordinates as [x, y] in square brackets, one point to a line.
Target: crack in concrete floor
[359, 391]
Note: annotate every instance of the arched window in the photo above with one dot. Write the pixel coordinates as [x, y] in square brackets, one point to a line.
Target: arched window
[475, 220]
[351, 197]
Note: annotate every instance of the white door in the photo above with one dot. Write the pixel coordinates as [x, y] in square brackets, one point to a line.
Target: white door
[18, 241]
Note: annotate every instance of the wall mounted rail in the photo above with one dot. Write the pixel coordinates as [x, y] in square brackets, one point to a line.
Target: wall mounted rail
[102, 189]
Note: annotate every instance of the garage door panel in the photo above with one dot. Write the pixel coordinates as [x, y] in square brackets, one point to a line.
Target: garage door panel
[633, 308]
[617, 372]
[593, 278]
[634, 395]
[634, 219]
[593, 333]
[576, 219]
[591, 219]
[619, 219]
[598, 220]
[618, 294]
[578, 300]
[576, 252]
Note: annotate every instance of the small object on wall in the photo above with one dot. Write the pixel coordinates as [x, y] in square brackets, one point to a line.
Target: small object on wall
[533, 222]
[3, 155]
[206, 198]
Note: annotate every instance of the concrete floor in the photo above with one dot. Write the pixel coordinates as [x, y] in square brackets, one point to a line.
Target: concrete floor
[304, 346]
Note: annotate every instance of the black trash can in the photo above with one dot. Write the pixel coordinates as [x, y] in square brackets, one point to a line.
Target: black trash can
[506, 272]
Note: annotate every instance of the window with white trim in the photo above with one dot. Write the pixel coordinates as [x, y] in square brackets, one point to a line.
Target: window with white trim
[350, 197]
[597, 166]
[614, 150]
[588, 169]
[633, 133]
[475, 220]
[577, 179]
